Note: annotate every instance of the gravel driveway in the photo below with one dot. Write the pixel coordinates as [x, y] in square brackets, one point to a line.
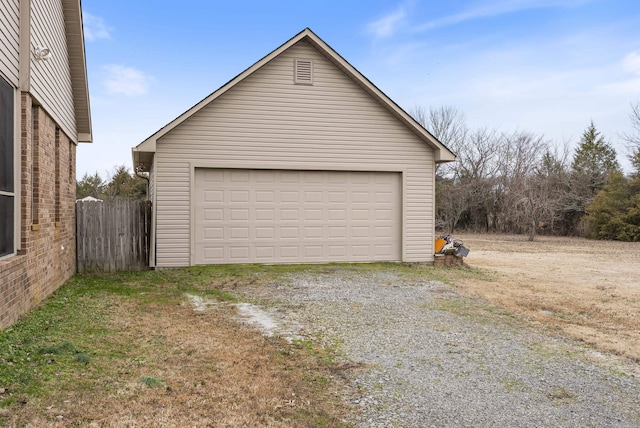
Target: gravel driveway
[434, 358]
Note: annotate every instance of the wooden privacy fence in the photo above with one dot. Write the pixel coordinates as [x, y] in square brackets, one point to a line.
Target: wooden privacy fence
[113, 235]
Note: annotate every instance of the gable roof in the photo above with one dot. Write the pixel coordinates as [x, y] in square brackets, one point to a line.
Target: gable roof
[78, 67]
[143, 152]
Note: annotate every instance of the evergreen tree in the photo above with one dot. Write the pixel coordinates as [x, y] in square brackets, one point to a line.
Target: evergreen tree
[125, 185]
[594, 159]
[615, 211]
[121, 184]
[90, 185]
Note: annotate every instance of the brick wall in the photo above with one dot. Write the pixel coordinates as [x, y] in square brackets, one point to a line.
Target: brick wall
[47, 255]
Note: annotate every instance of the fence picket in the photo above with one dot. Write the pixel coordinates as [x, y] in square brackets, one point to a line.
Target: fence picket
[113, 235]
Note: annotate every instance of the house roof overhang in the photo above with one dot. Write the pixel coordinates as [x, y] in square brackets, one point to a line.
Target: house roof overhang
[143, 152]
[78, 68]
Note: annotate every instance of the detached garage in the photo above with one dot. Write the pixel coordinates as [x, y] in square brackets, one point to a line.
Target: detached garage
[299, 159]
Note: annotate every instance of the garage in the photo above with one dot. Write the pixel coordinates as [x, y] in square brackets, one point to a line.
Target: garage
[292, 216]
[298, 159]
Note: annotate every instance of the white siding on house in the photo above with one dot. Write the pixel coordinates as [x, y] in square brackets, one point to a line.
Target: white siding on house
[10, 40]
[267, 121]
[51, 79]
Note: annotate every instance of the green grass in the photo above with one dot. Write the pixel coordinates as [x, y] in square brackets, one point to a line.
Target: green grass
[151, 381]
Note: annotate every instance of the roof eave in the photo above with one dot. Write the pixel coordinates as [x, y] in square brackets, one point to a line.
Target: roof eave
[78, 68]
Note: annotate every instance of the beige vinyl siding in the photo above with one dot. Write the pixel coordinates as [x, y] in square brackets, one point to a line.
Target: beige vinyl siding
[267, 121]
[10, 40]
[51, 79]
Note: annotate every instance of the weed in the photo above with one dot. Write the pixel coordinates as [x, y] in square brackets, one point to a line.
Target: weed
[81, 357]
[560, 393]
[151, 381]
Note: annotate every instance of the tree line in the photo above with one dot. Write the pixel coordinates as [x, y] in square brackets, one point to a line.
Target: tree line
[119, 184]
[521, 183]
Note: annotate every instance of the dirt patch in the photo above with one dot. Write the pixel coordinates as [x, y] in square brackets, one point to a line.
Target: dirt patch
[587, 289]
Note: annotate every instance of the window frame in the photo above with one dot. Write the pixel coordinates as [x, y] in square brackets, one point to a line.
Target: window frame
[13, 191]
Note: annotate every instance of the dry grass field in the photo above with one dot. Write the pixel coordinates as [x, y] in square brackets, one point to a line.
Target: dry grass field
[589, 290]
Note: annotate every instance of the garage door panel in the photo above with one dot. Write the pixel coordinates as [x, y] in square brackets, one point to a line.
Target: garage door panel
[265, 253]
[313, 232]
[313, 252]
[265, 232]
[213, 253]
[213, 176]
[238, 176]
[239, 254]
[239, 196]
[289, 214]
[290, 197]
[264, 176]
[361, 179]
[265, 196]
[289, 252]
[214, 233]
[383, 214]
[337, 251]
[290, 177]
[289, 232]
[213, 214]
[238, 214]
[313, 196]
[264, 214]
[239, 233]
[312, 177]
[271, 216]
[360, 250]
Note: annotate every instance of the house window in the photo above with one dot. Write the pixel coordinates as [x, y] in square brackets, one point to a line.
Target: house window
[7, 159]
[303, 71]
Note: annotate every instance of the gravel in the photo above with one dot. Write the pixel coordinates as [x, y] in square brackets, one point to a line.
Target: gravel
[434, 358]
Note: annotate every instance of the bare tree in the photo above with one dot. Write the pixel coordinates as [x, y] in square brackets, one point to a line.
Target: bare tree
[633, 139]
[447, 124]
[452, 203]
[539, 195]
[477, 172]
[508, 182]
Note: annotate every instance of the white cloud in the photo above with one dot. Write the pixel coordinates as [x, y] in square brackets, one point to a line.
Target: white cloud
[95, 28]
[126, 81]
[492, 8]
[388, 25]
[631, 63]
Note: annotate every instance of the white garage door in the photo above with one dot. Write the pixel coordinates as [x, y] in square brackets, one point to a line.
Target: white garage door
[274, 216]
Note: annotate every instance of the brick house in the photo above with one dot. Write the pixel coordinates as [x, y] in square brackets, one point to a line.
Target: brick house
[44, 114]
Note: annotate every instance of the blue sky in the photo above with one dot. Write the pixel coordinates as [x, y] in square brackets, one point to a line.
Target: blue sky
[544, 66]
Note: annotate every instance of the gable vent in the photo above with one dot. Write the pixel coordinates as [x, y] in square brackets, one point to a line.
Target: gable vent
[303, 73]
